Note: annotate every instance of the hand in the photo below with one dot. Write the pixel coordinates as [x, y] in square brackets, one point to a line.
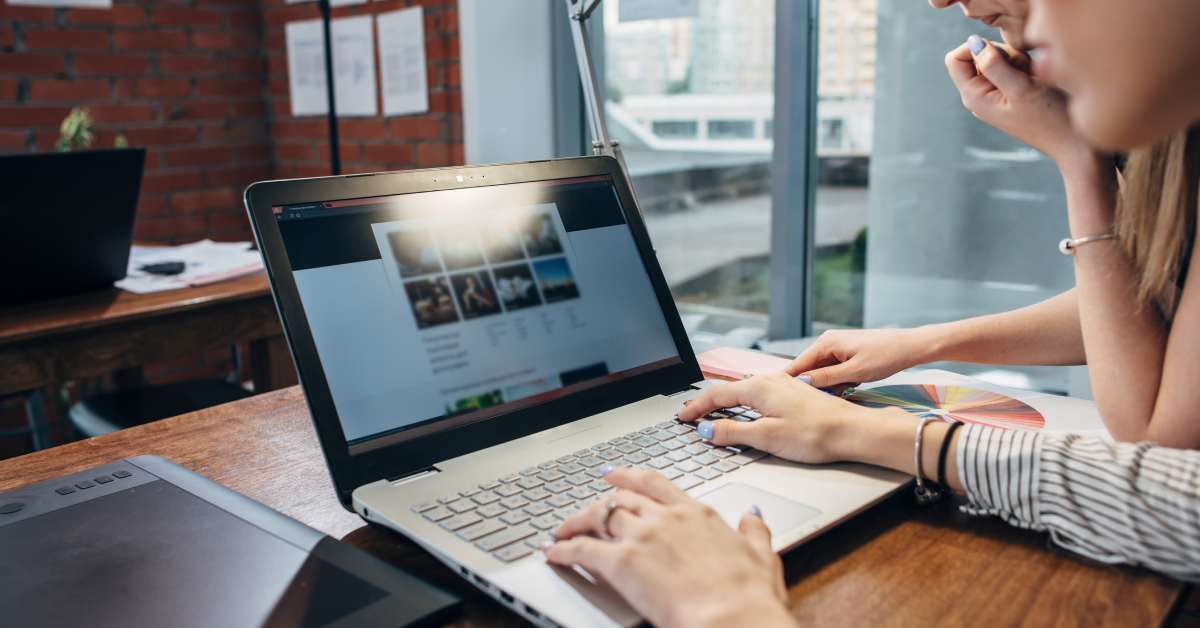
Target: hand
[997, 86]
[673, 558]
[853, 356]
[799, 422]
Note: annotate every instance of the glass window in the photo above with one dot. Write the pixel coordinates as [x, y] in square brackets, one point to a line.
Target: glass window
[690, 99]
[730, 129]
[924, 214]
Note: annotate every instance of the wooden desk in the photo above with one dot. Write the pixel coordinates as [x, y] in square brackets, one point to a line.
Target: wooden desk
[103, 332]
[896, 564]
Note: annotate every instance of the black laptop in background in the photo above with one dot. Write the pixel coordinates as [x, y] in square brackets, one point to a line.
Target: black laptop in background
[66, 221]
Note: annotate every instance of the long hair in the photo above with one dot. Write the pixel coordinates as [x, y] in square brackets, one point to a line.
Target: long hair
[1156, 215]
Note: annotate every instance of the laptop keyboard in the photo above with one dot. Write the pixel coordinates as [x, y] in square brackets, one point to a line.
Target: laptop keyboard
[512, 516]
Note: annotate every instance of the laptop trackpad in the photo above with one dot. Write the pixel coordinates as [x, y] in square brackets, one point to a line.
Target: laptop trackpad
[780, 514]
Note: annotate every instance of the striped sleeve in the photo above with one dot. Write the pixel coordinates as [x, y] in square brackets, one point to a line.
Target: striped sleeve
[1133, 503]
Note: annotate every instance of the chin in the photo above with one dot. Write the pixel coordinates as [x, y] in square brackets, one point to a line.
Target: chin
[1110, 131]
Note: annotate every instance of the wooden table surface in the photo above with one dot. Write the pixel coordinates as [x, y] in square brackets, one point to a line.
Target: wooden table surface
[895, 564]
[102, 332]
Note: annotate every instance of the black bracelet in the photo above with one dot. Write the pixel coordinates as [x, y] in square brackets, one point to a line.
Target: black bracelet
[941, 476]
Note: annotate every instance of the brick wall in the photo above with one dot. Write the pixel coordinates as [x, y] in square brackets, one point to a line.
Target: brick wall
[202, 85]
[301, 147]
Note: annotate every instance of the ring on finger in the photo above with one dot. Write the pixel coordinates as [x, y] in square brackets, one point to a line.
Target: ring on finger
[610, 507]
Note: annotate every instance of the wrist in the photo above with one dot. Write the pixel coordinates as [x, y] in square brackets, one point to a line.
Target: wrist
[883, 437]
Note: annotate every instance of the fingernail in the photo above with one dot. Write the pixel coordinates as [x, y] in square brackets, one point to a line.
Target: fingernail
[686, 401]
[546, 545]
[976, 44]
[705, 429]
[756, 511]
[606, 469]
[807, 379]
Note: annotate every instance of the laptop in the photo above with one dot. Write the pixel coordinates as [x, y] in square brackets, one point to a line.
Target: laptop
[477, 343]
[66, 221]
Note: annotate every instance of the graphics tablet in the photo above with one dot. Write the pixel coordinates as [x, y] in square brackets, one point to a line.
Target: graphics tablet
[144, 542]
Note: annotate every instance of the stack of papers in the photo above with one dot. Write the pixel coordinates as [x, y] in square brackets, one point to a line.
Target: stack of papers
[205, 262]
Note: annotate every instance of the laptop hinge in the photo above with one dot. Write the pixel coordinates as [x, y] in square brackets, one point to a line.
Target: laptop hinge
[414, 476]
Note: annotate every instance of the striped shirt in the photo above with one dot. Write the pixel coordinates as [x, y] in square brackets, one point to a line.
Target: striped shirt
[1134, 503]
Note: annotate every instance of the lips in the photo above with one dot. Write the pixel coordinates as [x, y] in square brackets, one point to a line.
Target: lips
[990, 20]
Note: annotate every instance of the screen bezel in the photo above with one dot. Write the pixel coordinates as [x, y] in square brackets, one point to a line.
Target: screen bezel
[403, 458]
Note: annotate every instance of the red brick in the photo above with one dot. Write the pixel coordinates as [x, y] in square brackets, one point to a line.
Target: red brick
[8, 90]
[312, 128]
[241, 132]
[457, 154]
[417, 127]
[187, 16]
[125, 112]
[66, 90]
[430, 154]
[226, 87]
[225, 40]
[293, 152]
[453, 74]
[157, 88]
[150, 40]
[153, 230]
[155, 183]
[152, 205]
[249, 19]
[66, 39]
[159, 136]
[198, 200]
[204, 110]
[110, 64]
[190, 63]
[248, 109]
[246, 65]
[29, 15]
[26, 64]
[237, 176]
[393, 154]
[14, 141]
[199, 156]
[363, 128]
[116, 15]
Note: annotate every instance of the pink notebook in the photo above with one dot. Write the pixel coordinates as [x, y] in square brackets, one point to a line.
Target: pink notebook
[735, 364]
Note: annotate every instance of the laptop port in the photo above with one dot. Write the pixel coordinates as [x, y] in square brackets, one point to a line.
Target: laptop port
[508, 599]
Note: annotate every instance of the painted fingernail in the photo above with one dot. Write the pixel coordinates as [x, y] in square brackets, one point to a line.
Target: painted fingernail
[976, 44]
[705, 429]
[807, 379]
[756, 511]
[606, 469]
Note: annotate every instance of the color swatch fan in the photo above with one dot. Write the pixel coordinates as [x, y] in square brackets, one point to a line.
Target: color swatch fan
[960, 403]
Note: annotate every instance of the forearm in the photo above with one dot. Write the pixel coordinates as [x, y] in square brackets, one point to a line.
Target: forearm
[1046, 333]
[1125, 339]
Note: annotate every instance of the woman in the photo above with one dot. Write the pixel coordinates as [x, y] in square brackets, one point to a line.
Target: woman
[1141, 334]
[1131, 82]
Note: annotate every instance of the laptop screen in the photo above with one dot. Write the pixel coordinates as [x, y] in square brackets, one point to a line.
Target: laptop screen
[432, 310]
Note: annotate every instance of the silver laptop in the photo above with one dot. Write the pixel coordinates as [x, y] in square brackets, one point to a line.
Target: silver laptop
[476, 344]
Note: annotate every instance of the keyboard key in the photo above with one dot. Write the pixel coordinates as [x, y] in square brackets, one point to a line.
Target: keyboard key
[65, 490]
[530, 482]
[739, 459]
[664, 425]
[753, 454]
[717, 415]
[579, 479]
[696, 449]
[423, 506]
[550, 476]
[654, 450]
[558, 487]
[708, 473]
[736, 409]
[662, 435]
[565, 459]
[536, 494]
[447, 499]
[637, 458]
[461, 521]
[672, 444]
[751, 414]
[558, 501]
[724, 466]
[611, 454]
[102, 479]
[513, 552]
[513, 503]
[678, 456]
[489, 486]
[438, 513]
[597, 472]
[688, 439]
[671, 473]
[508, 490]
[491, 510]
[514, 517]
[616, 441]
[686, 482]
[648, 430]
[469, 492]
[627, 448]
[508, 479]
[570, 468]
[645, 441]
[687, 466]
[536, 542]
[538, 509]
[721, 452]
[661, 463]
[705, 459]
[601, 447]
[680, 429]
[486, 497]
[122, 474]
[481, 529]
[581, 492]
[461, 505]
[504, 537]
[530, 471]
[547, 465]
[591, 461]
[600, 486]
[545, 522]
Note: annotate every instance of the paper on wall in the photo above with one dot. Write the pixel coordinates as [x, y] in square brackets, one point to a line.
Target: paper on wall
[635, 10]
[402, 61]
[353, 66]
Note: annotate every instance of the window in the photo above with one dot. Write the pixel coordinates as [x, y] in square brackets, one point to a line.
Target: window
[701, 164]
[923, 214]
[730, 129]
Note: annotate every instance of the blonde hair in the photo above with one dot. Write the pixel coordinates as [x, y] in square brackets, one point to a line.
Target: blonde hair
[1156, 215]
